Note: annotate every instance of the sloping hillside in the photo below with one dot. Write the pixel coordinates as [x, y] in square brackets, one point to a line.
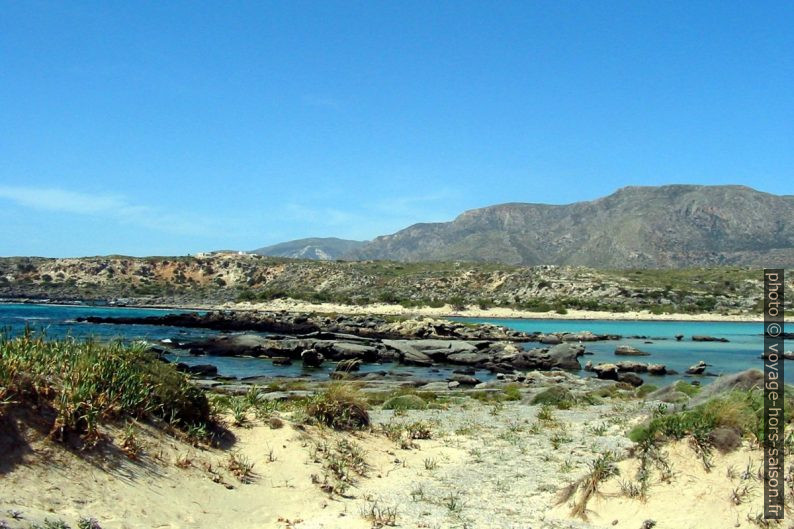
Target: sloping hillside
[668, 226]
[322, 249]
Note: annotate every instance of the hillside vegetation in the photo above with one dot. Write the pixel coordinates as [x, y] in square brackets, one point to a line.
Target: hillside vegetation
[229, 278]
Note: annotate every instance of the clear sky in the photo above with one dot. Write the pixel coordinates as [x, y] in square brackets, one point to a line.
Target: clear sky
[175, 127]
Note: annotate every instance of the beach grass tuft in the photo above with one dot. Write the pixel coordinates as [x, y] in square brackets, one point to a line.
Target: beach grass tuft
[82, 384]
[340, 406]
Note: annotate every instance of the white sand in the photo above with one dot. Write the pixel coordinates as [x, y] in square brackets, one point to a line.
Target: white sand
[290, 305]
[485, 467]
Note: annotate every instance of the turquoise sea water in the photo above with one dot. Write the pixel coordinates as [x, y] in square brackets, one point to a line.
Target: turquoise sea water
[58, 321]
[741, 352]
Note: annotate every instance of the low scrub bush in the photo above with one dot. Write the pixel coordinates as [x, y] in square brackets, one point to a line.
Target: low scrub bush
[340, 406]
[555, 396]
[405, 402]
[738, 410]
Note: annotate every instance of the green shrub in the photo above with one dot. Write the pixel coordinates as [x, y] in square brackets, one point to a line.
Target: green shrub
[405, 402]
[512, 392]
[645, 389]
[690, 390]
[740, 410]
[555, 396]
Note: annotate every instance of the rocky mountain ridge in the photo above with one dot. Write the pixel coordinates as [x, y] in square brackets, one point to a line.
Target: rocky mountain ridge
[662, 227]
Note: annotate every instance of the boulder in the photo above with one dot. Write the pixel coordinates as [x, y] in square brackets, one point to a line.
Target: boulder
[679, 337]
[468, 358]
[202, 370]
[230, 345]
[464, 380]
[353, 350]
[657, 369]
[632, 367]
[562, 356]
[630, 378]
[606, 371]
[312, 358]
[697, 369]
[551, 339]
[565, 356]
[417, 358]
[584, 336]
[627, 350]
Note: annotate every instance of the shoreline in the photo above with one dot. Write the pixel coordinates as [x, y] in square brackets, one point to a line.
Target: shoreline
[447, 311]
[382, 309]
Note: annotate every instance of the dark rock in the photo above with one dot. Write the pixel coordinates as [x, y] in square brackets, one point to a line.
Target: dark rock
[312, 358]
[229, 345]
[630, 378]
[281, 361]
[606, 371]
[657, 369]
[679, 337]
[697, 369]
[701, 338]
[202, 370]
[562, 356]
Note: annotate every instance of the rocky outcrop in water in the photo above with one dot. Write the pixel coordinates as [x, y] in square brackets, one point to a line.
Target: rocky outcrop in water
[344, 327]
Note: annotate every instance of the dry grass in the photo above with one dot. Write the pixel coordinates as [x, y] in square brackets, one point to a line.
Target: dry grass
[85, 383]
[340, 406]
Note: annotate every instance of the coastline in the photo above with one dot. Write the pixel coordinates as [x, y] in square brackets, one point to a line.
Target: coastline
[447, 311]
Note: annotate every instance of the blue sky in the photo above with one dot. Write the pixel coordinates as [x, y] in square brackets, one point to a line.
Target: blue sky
[170, 127]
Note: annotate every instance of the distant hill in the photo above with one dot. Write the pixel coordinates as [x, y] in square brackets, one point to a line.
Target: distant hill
[667, 226]
[322, 249]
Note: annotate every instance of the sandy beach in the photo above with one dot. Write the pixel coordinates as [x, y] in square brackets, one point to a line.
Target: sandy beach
[483, 466]
[384, 309]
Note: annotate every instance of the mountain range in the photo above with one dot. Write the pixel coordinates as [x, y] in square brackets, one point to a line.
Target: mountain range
[635, 227]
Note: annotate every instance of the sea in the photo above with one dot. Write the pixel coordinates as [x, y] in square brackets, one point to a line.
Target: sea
[742, 351]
